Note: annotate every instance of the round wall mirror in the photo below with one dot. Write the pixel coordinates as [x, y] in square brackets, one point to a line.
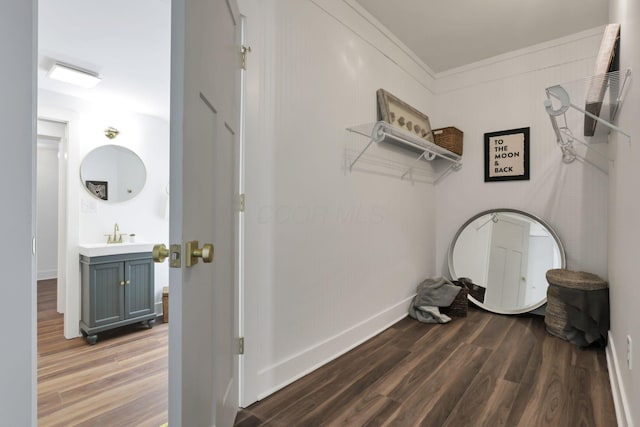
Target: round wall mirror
[113, 173]
[506, 254]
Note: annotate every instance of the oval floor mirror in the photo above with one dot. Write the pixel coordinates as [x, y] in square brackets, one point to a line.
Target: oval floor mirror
[506, 254]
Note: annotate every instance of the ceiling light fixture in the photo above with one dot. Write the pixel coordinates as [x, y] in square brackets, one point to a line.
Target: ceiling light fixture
[74, 75]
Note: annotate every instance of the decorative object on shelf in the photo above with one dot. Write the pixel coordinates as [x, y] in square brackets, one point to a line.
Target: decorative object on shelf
[402, 115]
[449, 138]
[506, 155]
[383, 132]
[607, 61]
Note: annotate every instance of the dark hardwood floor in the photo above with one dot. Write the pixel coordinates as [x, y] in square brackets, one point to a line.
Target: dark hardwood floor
[483, 370]
[121, 381]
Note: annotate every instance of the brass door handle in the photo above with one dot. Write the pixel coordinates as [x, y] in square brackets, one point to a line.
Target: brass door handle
[193, 253]
[160, 253]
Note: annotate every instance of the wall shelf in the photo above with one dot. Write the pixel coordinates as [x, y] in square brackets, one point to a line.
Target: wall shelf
[420, 150]
[583, 111]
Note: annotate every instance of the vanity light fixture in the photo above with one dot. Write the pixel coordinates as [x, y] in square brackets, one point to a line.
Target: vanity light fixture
[111, 132]
[74, 75]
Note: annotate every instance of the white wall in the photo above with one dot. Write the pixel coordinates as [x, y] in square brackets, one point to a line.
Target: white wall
[89, 218]
[47, 218]
[17, 183]
[624, 231]
[507, 92]
[332, 257]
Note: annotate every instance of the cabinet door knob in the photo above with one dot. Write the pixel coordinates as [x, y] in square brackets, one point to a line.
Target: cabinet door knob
[122, 283]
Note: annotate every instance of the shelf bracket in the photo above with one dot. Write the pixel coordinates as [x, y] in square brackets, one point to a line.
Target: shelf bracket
[359, 155]
[427, 155]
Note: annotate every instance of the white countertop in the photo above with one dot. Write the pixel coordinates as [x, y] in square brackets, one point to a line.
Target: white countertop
[102, 249]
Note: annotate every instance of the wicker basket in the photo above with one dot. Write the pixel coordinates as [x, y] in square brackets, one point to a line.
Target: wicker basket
[459, 306]
[556, 318]
[449, 138]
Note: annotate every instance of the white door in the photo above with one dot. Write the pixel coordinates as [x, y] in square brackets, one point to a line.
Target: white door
[205, 117]
[506, 284]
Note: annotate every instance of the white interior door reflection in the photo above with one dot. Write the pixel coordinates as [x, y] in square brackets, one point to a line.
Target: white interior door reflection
[506, 253]
[508, 262]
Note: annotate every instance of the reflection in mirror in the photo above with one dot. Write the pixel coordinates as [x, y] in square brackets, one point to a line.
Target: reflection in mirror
[113, 173]
[506, 254]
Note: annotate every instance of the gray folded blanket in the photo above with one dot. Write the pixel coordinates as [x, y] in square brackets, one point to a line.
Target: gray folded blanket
[433, 293]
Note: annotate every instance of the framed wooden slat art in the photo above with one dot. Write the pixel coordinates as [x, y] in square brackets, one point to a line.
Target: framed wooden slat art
[402, 115]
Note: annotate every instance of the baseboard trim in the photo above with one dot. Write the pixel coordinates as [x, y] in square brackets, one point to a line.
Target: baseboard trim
[158, 308]
[47, 274]
[620, 401]
[298, 365]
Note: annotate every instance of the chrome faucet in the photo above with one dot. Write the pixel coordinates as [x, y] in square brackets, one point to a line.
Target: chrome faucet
[116, 238]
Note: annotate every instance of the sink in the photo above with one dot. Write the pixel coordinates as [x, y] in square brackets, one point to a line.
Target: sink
[102, 249]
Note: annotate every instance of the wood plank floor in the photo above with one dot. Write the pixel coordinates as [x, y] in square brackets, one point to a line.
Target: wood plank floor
[121, 381]
[483, 370]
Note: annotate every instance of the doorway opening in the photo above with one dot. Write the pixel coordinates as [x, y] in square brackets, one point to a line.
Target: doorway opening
[130, 52]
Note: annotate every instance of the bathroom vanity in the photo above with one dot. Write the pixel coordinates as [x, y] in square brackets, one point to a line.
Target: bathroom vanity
[117, 287]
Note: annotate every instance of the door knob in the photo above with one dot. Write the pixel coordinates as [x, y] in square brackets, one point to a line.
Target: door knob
[193, 253]
[160, 253]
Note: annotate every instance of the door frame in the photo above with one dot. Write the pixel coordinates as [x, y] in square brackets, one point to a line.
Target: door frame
[68, 251]
[174, 357]
[48, 128]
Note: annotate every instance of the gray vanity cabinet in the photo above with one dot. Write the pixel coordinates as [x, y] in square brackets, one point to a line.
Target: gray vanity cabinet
[117, 290]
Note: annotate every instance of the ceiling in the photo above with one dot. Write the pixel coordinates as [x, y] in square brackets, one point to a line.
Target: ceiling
[446, 34]
[128, 42]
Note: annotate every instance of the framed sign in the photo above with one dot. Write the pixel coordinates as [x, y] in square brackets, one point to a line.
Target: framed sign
[99, 189]
[506, 155]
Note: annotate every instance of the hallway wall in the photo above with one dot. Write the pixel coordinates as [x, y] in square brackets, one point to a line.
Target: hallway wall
[332, 256]
[624, 230]
[507, 92]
